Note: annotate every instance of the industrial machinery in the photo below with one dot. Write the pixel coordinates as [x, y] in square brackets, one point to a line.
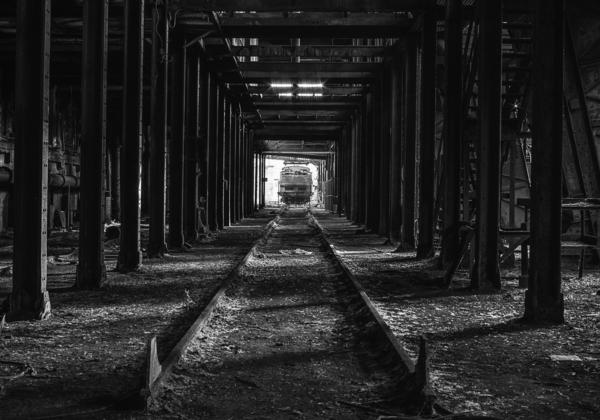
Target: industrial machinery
[295, 184]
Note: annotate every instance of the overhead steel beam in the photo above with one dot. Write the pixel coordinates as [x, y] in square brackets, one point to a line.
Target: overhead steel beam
[320, 25]
[297, 105]
[308, 51]
[297, 136]
[305, 5]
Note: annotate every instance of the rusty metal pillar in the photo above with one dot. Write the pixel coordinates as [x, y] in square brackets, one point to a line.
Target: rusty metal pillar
[91, 271]
[453, 115]
[176, 149]
[205, 150]
[395, 139]
[426, 204]
[130, 253]
[192, 146]
[212, 174]
[115, 179]
[353, 168]
[220, 163]
[384, 155]
[158, 141]
[227, 152]
[486, 271]
[544, 298]
[407, 237]
[374, 140]
[29, 298]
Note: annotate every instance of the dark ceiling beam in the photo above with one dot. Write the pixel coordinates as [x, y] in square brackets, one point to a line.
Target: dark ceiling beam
[334, 25]
[296, 130]
[298, 137]
[305, 106]
[304, 5]
[308, 51]
[266, 90]
[257, 71]
[291, 120]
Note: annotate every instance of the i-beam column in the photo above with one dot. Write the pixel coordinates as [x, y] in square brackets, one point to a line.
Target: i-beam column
[453, 115]
[407, 238]
[192, 145]
[544, 299]
[158, 140]
[426, 211]
[130, 254]
[486, 273]
[395, 148]
[176, 151]
[29, 298]
[91, 271]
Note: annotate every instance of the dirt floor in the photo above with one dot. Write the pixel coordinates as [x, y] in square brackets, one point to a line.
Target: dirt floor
[280, 346]
[483, 360]
[89, 355]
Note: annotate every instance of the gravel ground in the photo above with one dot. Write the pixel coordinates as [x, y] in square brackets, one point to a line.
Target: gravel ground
[280, 345]
[483, 360]
[90, 353]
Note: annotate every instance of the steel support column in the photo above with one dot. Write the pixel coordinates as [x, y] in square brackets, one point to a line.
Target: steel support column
[407, 238]
[453, 115]
[91, 271]
[205, 147]
[29, 298]
[158, 140]
[486, 272]
[212, 174]
[176, 149]
[544, 298]
[395, 139]
[192, 145]
[227, 153]
[130, 253]
[220, 164]
[426, 204]
[384, 155]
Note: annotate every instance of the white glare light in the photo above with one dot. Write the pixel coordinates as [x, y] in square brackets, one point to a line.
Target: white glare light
[318, 94]
[286, 94]
[305, 94]
[281, 85]
[310, 85]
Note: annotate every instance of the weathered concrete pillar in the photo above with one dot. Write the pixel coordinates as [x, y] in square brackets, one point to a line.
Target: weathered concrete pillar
[407, 238]
[158, 141]
[176, 149]
[544, 298]
[192, 146]
[130, 253]
[453, 116]
[91, 271]
[486, 271]
[29, 298]
[426, 204]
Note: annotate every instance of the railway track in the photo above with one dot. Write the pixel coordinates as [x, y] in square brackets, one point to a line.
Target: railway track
[293, 333]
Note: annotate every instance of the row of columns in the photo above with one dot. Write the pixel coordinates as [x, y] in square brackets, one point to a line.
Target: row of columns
[391, 138]
[377, 151]
[208, 150]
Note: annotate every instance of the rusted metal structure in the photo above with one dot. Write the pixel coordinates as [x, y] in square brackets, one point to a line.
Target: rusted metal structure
[437, 124]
